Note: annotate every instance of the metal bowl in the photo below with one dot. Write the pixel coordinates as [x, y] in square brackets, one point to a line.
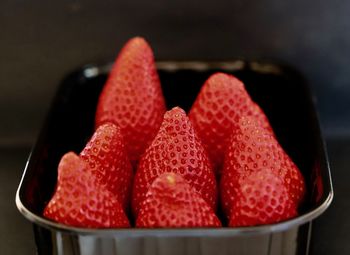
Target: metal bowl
[283, 95]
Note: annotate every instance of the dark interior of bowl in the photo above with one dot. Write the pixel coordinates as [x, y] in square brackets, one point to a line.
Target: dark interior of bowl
[281, 93]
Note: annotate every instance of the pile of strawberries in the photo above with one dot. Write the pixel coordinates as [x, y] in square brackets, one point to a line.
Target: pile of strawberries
[148, 167]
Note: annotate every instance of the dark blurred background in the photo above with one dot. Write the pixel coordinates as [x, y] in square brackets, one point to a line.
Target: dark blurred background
[41, 41]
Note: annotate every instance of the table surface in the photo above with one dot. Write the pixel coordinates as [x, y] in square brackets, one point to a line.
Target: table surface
[330, 231]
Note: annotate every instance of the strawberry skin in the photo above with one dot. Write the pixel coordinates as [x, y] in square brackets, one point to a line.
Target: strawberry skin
[261, 198]
[176, 148]
[79, 201]
[107, 158]
[252, 148]
[132, 97]
[216, 110]
[172, 202]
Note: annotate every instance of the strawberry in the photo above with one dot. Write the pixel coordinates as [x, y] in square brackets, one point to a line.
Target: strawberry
[172, 202]
[79, 201]
[176, 148]
[132, 97]
[107, 158]
[216, 110]
[252, 147]
[261, 198]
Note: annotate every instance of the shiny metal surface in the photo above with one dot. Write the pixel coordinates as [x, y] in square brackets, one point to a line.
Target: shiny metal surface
[283, 243]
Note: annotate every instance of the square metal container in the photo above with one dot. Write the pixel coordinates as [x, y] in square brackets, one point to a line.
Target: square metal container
[279, 90]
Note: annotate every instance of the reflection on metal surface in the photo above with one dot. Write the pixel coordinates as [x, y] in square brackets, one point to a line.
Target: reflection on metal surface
[91, 72]
[200, 66]
[280, 243]
[265, 68]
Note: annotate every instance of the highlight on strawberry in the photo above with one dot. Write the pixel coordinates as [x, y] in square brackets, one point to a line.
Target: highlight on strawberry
[220, 103]
[132, 97]
[171, 202]
[80, 201]
[252, 152]
[261, 198]
[176, 148]
[108, 161]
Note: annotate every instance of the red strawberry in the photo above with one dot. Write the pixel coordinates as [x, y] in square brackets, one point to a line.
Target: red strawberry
[107, 158]
[177, 149]
[252, 148]
[79, 201]
[172, 202]
[218, 107]
[261, 198]
[132, 97]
